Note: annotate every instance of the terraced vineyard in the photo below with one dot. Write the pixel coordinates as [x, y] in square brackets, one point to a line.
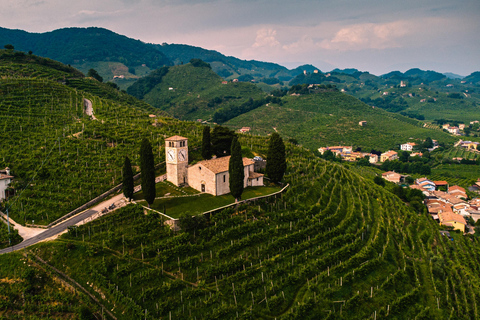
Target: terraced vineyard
[60, 157]
[334, 246]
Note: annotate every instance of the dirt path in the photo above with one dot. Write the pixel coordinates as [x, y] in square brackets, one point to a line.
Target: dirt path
[88, 108]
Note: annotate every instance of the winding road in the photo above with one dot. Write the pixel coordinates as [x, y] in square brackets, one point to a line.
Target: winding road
[53, 231]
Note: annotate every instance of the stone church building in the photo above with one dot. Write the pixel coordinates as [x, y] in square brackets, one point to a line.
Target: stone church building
[209, 176]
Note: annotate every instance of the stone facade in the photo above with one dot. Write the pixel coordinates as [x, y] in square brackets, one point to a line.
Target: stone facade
[208, 176]
[176, 157]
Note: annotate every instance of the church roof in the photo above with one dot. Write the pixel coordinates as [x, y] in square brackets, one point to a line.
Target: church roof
[175, 138]
[221, 164]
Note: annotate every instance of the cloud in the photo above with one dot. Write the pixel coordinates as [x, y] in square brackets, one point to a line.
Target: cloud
[369, 36]
[266, 38]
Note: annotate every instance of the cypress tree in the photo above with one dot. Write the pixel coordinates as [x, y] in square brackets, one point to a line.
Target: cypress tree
[206, 144]
[147, 168]
[235, 170]
[127, 179]
[276, 163]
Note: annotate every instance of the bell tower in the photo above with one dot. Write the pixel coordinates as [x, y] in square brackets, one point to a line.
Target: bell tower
[176, 153]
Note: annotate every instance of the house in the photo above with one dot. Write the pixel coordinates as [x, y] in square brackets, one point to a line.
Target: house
[245, 129]
[461, 126]
[362, 123]
[469, 145]
[426, 184]
[454, 130]
[407, 146]
[452, 219]
[457, 192]
[372, 158]
[224, 82]
[440, 183]
[336, 149]
[209, 176]
[416, 154]
[392, 176]
[5, 179]
[389, 155]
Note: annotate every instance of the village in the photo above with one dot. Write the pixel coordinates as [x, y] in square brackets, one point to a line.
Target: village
[447, 204]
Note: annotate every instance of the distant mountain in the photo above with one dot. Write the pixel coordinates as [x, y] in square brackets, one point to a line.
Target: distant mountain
[78, 45]
[453, 75]
[473, 78]
[415, 75]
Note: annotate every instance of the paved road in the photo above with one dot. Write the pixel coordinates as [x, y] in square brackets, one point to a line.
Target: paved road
[50, 232]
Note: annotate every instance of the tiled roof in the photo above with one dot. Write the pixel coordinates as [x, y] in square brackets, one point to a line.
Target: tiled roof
[221, 164]
[450, 216]
[175, 138]
[456, 188]
[253, 175]
[4, 176]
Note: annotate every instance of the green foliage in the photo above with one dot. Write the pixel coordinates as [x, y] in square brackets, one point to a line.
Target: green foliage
[144, 85]
[379, 180]
[198, 63]
[147, 168]
[9, 47]
[128, 184]
[276, 162]
[94, 74]
[222, 138]
[331, 118]
[236, 170]
[206, 144]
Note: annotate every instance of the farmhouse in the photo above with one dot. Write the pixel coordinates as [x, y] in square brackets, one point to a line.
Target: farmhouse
[407, 146]
[389, 155]
[209, 176]
[452, 219]
[5, 179]
[392, 176]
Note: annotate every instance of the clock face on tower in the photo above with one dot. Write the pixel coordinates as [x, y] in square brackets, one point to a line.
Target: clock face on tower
[171, 155]
[182, 155]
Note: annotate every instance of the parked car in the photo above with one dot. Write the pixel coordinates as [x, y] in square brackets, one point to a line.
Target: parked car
[257, 158]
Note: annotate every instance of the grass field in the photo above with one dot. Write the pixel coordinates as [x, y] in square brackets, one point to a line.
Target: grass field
[194, 205]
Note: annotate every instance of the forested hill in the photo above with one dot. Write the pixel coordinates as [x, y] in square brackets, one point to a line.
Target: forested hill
[193, 91]
[79, 45]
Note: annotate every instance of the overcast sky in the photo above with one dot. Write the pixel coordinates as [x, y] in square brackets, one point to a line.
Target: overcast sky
[371, 35]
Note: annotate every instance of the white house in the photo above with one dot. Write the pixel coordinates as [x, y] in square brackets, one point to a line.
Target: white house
[5, 179]
[407, 146]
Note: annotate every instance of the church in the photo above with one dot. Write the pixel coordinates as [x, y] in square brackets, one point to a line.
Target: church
[208, 176]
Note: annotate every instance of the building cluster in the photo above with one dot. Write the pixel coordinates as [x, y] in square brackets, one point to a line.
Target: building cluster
[450, 207]
[347, 153]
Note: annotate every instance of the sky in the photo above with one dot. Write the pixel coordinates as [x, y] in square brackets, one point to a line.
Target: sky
[377, 36]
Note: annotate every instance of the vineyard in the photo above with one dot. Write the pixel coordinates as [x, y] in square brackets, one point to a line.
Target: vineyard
[334, 246]
[60, 157]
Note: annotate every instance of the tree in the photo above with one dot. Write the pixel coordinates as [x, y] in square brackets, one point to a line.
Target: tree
[147, 168]
[127, 179]
[428, 143]
[206, 144]
[222, 141]
[236, 170]
[9, 47]
[379, 180]
[276, 163]
[94, 74]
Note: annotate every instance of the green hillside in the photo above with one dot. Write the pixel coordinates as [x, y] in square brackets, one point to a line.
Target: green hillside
[334, 245]
[425, 95]
[60, 157]
[331, 118]
[190, 92]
